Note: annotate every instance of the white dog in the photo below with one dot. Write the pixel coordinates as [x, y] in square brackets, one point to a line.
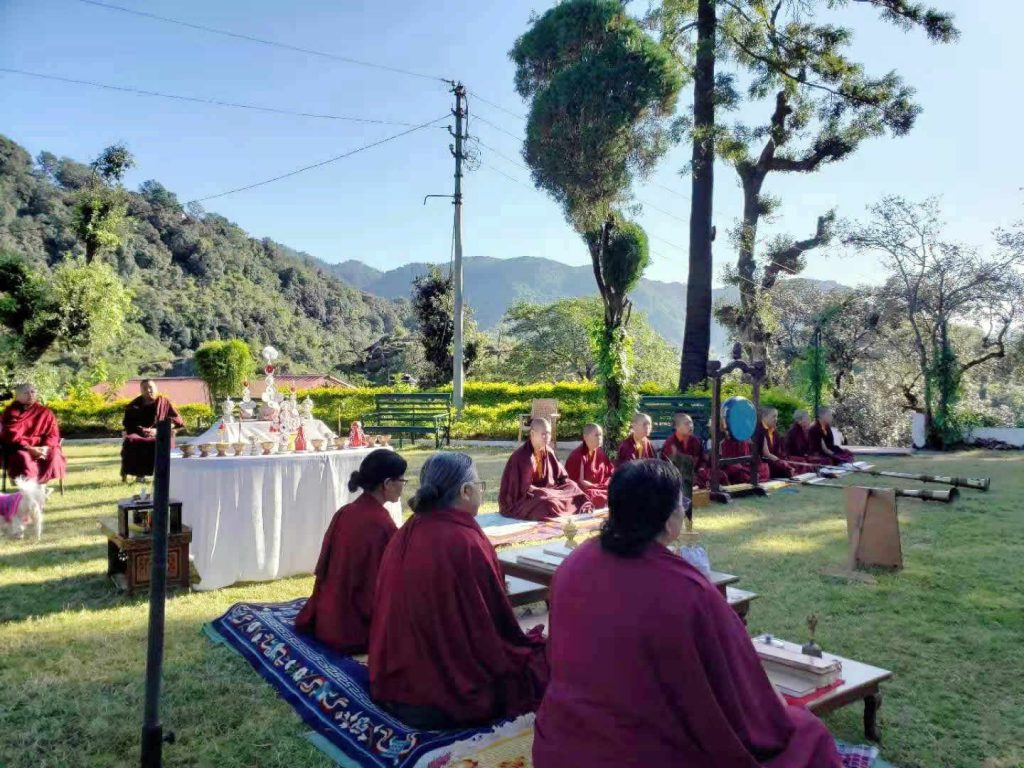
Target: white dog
[22, 508]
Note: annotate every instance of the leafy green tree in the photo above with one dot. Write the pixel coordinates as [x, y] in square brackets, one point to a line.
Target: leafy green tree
[601, 89]
[821, 106]
[937, 283]
[90, 306]
[101, 206]
[25, 304]
[557, 342]
[433, 303]
[224, 365]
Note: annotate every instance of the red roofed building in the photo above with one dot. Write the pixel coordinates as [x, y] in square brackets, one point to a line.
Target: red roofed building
[186, 390]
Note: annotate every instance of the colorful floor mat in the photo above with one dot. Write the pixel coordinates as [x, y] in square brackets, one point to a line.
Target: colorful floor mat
[330, 692]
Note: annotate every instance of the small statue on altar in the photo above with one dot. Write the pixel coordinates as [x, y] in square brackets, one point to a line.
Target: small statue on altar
[307, 409]
[227, 410]
[356, 437]
[570, 530]
[300, 439]
[247, 406]
[811, 648]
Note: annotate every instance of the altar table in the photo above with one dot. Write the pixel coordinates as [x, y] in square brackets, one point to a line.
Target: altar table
[260, 518]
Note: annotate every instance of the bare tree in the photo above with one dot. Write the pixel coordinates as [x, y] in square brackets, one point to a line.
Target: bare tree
[937, 284]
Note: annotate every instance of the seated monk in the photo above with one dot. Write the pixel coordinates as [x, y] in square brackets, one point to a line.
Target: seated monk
[138, 451]
[649, 665]
[768, 444]
[339, 610]
[446, 650]
[798, 445]
[823, 442]
[535, 485]
[637, 444]
[682, 441]
[30, 439]
[589, 467]
[731, 448]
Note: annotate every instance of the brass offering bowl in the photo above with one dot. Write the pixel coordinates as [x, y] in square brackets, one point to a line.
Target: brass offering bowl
[186, 450]
[267, 446]
[318, 444]
[222, 449]
[204, 449]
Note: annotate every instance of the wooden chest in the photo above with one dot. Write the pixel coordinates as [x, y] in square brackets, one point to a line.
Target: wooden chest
[129, 558]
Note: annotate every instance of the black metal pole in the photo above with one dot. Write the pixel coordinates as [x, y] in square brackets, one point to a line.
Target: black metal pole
[152, 730]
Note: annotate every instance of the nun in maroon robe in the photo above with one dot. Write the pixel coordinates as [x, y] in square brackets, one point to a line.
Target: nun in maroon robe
[590, 468]
[658, 672]
[446, 650]
[30, 439]
[141, 415]
[798, 445]
[637, 444]
[338, 612]
[731, 448]
[682, 441]
[823, 442]
[768, 445]
[535, 485]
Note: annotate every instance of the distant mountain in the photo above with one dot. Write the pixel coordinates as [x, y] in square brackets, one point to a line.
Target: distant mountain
[492, 285]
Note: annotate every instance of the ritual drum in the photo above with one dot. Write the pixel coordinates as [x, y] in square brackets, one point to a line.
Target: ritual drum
[740, 417]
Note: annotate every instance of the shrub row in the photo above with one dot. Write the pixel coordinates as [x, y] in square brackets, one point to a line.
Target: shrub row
[491, 409]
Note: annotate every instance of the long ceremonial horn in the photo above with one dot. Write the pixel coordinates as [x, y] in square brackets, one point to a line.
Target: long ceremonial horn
[944, 494]
[977, 483]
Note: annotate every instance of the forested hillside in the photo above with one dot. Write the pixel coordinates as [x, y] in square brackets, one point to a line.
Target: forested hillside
[194, 275]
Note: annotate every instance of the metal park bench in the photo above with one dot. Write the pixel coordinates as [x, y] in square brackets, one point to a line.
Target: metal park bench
[412, 415]
[661, 409]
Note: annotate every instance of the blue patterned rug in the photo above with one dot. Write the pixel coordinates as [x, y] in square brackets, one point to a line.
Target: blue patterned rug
[329, 691]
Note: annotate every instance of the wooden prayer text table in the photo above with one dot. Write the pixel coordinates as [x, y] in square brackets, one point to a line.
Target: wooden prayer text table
[129, 558]
[860, 683]
[509, 559]
[523, 592]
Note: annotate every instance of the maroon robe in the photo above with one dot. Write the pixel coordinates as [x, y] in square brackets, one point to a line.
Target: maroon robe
[628, 451]
[31, 426]
[770, 442]
[138, 451]
[731, 448]
[339, 610]
[817, 435]
[659, 673]
[528, 495]
[595, 468]
[799, 452]
[691, 446]
[444, 635]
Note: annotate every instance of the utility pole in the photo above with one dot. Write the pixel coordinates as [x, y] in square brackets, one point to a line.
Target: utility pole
[460, 113]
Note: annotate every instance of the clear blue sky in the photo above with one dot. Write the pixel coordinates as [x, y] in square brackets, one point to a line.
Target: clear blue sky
[369, 207]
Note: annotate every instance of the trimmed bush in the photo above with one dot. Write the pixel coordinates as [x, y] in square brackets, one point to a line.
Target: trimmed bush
[490, 412]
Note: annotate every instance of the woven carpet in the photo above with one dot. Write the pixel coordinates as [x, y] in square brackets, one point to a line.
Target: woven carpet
[330, 692]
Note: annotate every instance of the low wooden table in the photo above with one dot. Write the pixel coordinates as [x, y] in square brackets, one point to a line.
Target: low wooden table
[512, 567]
[522, 592]
[740, 600]
[860, 683]
[129, 557]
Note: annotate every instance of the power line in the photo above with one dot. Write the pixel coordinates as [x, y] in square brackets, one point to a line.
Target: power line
[675, 192]
[507, 176]
[476, 95]
[496, 127]
[200, 100]
[261, 41]
[320, 164]
[501, 155]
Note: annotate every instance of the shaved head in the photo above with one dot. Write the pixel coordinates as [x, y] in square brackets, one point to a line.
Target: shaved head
[540, 434]
[540, 423]
[593, 436]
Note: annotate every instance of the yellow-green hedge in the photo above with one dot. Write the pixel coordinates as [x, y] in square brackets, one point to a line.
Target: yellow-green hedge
[490, 412]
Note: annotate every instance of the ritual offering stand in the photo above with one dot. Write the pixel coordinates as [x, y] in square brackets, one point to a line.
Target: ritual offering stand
[739, 416]
[130, 545]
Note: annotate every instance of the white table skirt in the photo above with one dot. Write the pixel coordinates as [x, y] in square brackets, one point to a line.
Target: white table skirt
[259, 518]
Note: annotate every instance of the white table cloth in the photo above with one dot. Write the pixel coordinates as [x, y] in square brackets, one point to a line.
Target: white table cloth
[311, 428]
[259, 518]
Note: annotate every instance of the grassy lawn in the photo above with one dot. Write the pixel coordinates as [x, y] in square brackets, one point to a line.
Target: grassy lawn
[951, 626]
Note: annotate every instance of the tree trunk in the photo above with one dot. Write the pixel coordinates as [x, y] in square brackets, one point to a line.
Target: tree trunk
[697, 332]
[749, 330]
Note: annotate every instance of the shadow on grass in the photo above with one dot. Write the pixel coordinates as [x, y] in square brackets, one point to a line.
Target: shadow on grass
[85, 591]
[43, 556]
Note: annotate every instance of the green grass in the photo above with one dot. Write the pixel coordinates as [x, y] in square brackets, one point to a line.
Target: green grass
[950, 625]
